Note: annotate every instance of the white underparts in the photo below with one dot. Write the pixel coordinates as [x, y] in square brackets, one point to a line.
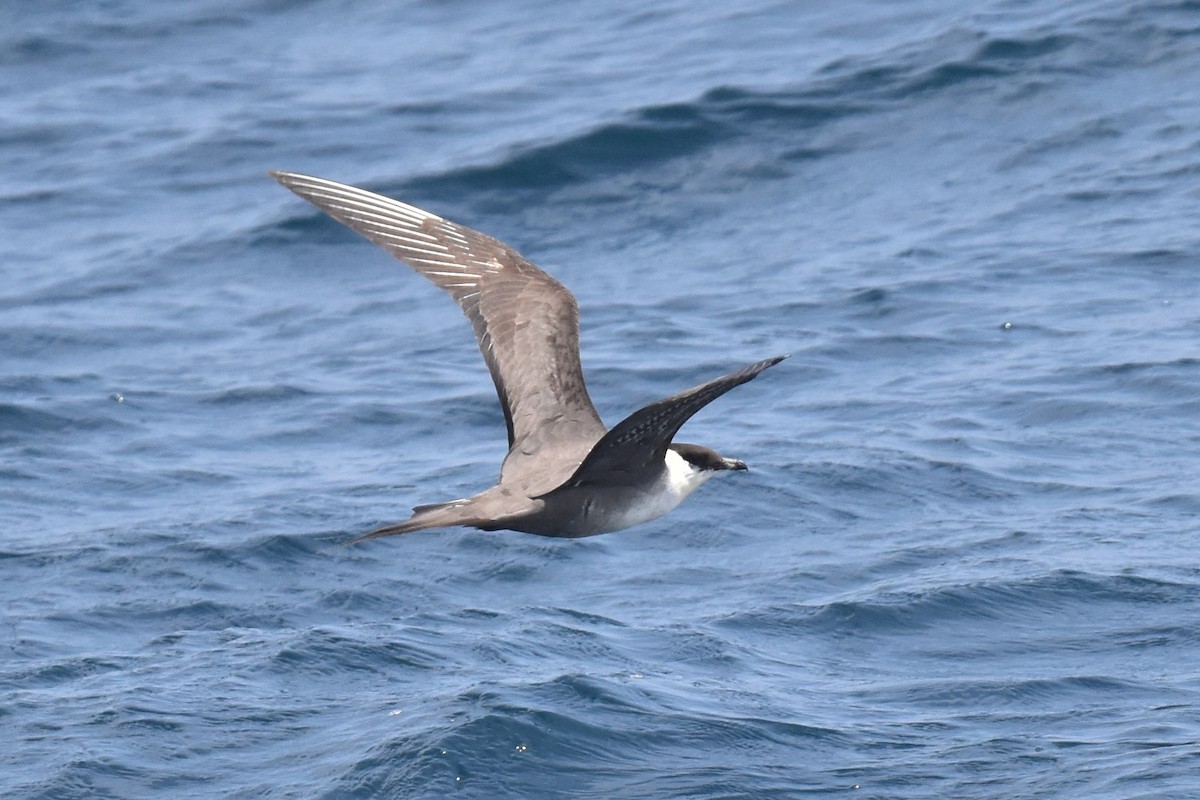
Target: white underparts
[680, 480]
[683, 477]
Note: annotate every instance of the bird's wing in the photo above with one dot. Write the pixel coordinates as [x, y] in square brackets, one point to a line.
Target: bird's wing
[633, 451]
[527, 323]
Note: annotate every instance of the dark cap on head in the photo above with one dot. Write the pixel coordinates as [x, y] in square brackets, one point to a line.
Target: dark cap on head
[705, 458]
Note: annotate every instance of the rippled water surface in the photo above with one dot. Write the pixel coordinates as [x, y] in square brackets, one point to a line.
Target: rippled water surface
[963, 563]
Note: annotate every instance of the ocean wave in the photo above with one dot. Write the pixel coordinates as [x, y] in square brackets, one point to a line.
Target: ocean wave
[961, 543]
[642, 140]
[887, 612]
[576, 733]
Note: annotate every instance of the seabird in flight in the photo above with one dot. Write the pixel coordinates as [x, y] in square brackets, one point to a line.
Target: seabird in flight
[565, 474]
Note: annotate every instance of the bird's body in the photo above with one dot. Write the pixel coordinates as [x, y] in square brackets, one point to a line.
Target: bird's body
[625, 506]
[565, 474]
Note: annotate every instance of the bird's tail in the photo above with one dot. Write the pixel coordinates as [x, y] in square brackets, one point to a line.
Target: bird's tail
[438, 515]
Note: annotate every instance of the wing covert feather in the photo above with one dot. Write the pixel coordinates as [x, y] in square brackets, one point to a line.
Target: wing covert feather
[526, 322]
[634, 449]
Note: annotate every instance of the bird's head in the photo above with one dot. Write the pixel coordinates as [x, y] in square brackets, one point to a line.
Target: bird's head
[705, 460]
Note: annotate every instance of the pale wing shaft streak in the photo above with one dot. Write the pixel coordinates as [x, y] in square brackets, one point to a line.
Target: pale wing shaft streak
[526, 322]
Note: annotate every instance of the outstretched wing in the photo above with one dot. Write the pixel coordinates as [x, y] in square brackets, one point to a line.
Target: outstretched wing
[633, 451]
[527, 323]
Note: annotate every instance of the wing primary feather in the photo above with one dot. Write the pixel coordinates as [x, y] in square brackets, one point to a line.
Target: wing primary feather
[635, 447]
[526, 322]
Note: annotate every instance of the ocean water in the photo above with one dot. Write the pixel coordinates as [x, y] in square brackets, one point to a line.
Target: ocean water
[964, 562]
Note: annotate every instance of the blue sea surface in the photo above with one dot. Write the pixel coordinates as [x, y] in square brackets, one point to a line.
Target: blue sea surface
[965, 562]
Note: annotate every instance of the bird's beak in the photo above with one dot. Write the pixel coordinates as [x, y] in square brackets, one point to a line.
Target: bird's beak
[733, 463]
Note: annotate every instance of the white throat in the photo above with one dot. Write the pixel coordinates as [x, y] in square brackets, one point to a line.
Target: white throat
[680, 480]
[682, 477]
